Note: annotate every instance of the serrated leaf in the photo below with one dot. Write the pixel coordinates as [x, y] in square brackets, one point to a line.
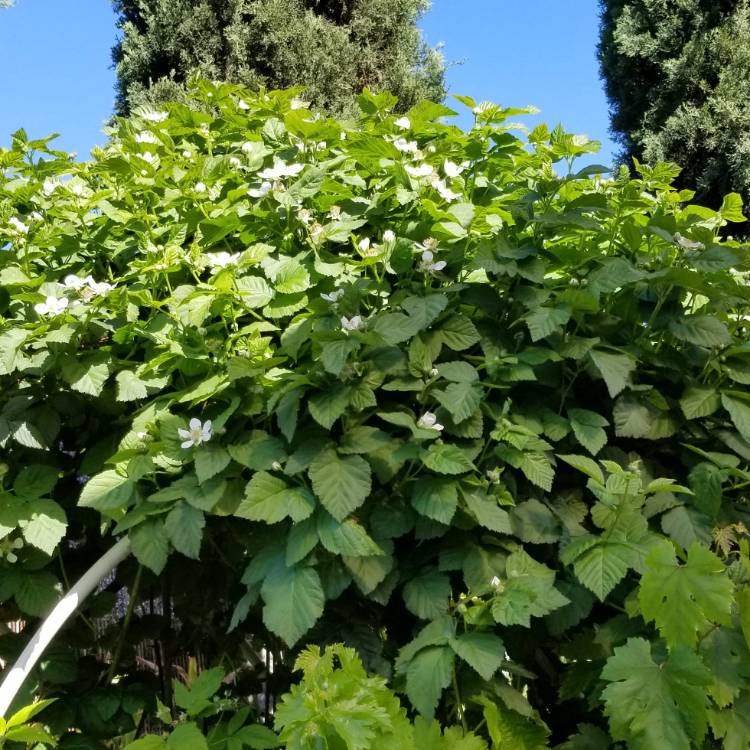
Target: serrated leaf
[107, 491]
[129, 386]
[458, 333]
[739, 411]
[651, 704]
[293, 600]
[546, 320]
[326, 407]
[44, 525]
[342, 484]
[436, 499]
[184, 525]
[487, 512]
[150, 544]
[446, 458]
[290, 277]
[210, 460]
[427, 596]
[254, 291]
[537, 468]
[534, 522]
[614, 368]
[270, 499]
[602, 567]
[461, 400]
[731, 208]
[699, 401]
[483, 652]
[345, 538]
[585, 464]
[702, 330]
[259, 453]
[684, 599]
[187, 737]
[511, 730]
[427, 675]
[588, 429]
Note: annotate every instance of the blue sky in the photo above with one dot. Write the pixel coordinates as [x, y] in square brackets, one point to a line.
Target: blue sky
[55, 73]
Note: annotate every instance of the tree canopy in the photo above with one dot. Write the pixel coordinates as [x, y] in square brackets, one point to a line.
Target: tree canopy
[334, 48]
[678, 80]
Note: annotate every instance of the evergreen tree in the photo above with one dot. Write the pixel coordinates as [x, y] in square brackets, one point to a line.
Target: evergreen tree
[335, 48]
[677, 74]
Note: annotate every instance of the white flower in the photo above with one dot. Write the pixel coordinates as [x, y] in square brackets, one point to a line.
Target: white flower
[445, 192]
[495, 582]
[76, 187]
[407, 147]
[18, 226]
[146, 137]
[298, 104]
[334, 212]
[403, 123]
[364, 245]
[321, 145]
[452, 169]
[248, 146]
[242, 104]
[198, 432]
[280, 169]
[428, 421]
[687, 243]
[154, 116]
[429, 263]
[316, 231]
[234, 161]
[49, 186]
[51, 306]
[222, 259]
[99, 287]
[429, 244]
[187, 154]
[351, 324]
[35, 216]
[483, 107]
[259, 192]
[200, 187]
[389, 235]
[304, 215]
[334, 296]
[71, 281]
[421, 170]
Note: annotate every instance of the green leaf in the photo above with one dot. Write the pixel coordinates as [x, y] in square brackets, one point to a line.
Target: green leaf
[260, 452]
[534, 522]
[699, 401]
[88, 378]
[342, 484]
[257, 737]
[458, 333]
[584, 464]
[36, 592]
[461, 400]
[184, 525]
[739, 411]
[35, 480]
[614, 368]
[655, 705]
[328, 406]
[150, 742]
[527, 592]
[129, 386]
[27, 713]
[602, 567]
[187, 737]
[702, 330]
[107, 491]
[427, 675]
[731, 208]
[446, 458]
[587, 427]
[254, 291]
[511, 730]
[290, 277]
[45, 525]
[684, 599]
[210, 460]
[150, 544]
[426, 596]
[196, 697]
[436, 499]
[270, 499]
[537, 468]
[546, 320]
[293, 600]
[483, 652]
[487, 512]
[345, 538]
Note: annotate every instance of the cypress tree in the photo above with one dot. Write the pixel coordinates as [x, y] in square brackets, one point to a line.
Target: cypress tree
[677, 75]
[335, 48]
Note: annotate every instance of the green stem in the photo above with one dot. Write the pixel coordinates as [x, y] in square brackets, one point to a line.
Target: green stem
[459, 706]
[125, 625]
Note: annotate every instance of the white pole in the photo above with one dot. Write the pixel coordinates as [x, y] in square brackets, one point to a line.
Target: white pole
[56, 619]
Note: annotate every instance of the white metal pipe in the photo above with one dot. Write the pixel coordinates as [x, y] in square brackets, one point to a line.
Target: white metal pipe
[56, 619]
